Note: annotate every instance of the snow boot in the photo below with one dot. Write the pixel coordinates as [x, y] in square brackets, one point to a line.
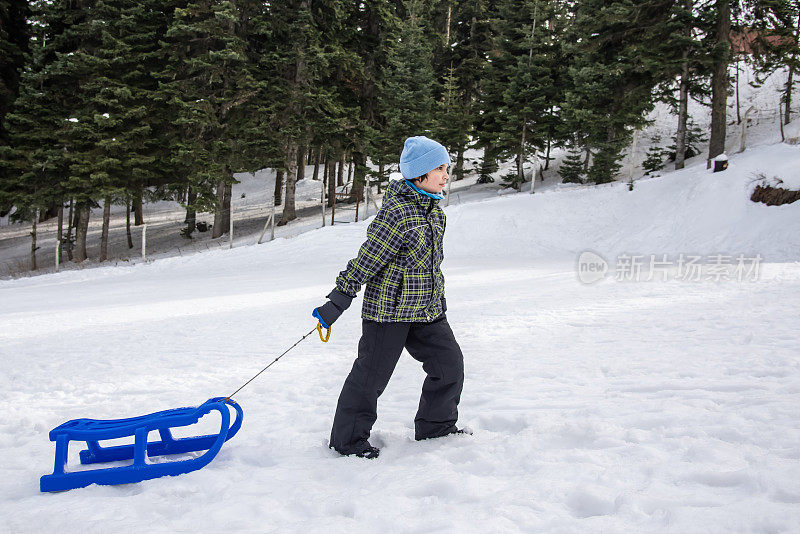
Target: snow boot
[369, 452]
[453, 430]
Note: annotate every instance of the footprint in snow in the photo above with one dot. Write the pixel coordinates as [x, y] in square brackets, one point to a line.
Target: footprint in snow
[586, 504]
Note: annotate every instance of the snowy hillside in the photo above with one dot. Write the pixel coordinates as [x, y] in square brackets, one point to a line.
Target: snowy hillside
[623, 405]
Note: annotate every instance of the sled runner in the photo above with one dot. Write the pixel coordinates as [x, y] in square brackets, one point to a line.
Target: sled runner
[92, 431]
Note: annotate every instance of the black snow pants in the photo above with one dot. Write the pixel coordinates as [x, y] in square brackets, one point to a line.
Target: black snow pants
[379, 349]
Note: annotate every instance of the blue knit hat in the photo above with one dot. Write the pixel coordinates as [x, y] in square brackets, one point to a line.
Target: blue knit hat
[421, 155]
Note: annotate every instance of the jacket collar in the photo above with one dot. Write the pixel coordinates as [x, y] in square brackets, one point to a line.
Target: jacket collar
[407, 190]
[423, 192]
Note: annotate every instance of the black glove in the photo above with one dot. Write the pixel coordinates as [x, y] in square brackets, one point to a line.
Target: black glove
[337, 303]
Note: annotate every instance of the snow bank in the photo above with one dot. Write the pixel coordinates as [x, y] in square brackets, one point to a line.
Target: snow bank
[693, 211]
[791, 132]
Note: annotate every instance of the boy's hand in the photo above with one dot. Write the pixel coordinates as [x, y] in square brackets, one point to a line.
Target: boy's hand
[330, 311]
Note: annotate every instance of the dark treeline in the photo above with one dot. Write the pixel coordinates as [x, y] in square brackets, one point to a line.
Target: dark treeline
[122, 101]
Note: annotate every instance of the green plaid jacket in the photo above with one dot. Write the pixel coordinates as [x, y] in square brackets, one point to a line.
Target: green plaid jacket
[400, 260]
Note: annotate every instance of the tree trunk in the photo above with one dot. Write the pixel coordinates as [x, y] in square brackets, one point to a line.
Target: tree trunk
[301, 164]
[82, 212]
[184, 195]
[521, 160]
[719, 82]
[128, 223]
[104, 232]
[33, 240]
[359, 161]
[488, 164]
[340, 178]
[49, 213]
[222, 215]
[278, 197]
[738, 103]
[60, 234]
[381, 171]
[458, 173]
[138, 219]
[325, 180]
[289, 213]
[350, 171]
[788, 97]
[316, 164]
[226, 205]
[790, 79]
[70, 226]
[191, 213]
[218, 228]
[331, 182]
[549, 142]
[586, 160]
[683, 113]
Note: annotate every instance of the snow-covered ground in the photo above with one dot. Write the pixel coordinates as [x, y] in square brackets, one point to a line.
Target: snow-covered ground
[623, 405]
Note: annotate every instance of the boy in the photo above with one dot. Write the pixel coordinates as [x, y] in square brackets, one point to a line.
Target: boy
[404, 306]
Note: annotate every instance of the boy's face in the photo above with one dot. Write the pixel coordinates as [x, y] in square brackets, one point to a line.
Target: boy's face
[435, 180]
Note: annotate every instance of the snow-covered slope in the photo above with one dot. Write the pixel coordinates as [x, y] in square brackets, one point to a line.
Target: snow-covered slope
[689, 211]
[617, 406]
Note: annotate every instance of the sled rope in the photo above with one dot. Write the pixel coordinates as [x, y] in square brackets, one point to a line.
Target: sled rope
[276, 359]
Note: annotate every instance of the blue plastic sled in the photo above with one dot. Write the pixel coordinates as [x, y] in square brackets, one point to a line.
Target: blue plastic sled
[91, 431]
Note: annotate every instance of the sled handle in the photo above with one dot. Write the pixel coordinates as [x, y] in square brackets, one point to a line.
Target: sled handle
[327, 334]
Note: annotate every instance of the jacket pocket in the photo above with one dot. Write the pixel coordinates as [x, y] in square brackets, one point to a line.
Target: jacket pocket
[417, 291]
[383, 293]
[418, 247]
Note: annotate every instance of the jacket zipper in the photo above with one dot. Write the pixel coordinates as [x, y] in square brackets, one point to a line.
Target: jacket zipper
[433, 258]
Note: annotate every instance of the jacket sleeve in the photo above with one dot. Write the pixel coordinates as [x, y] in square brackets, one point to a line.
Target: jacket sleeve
[384, 239]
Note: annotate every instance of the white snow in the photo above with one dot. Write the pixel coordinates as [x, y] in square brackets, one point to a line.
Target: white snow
[792, 132]
[618, 406]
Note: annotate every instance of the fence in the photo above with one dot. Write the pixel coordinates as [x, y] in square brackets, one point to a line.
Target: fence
[158, 238]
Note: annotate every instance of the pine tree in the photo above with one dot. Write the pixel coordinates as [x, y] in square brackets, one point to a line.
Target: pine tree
[719, 78]
[14, 45]
[56, 123]
[136, 55]
[571, 169]
[377, 23]
[125, 146]
[775, 30]
[774, 15]
[338, 119]
[14, 38]
[793, 77]
[686, 66]
[655, 156]
[614, 53]
[405, 101]
[306, 73]
[530, 91]
[462, 62]
[693, 139]
[490, 100]
[207, 83]
[453, 122]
